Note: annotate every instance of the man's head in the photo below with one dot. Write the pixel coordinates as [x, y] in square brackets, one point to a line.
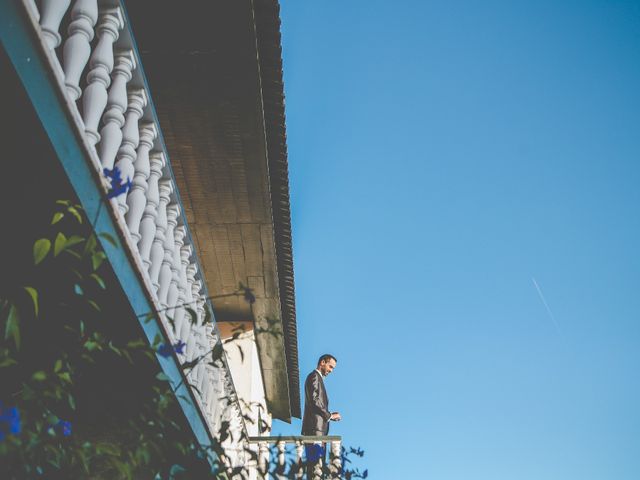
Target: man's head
[326, 364]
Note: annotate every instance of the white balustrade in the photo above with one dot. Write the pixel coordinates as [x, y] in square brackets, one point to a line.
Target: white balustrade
[115, 113]
[111, 133]
[77, 48]
[94, 98]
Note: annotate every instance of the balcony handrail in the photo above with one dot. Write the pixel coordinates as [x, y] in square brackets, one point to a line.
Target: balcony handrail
[296, 438]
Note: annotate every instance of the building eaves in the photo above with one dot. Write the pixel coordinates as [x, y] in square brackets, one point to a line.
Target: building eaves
[267, 19]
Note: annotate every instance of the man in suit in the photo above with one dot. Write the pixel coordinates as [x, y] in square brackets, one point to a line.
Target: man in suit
[316, 409]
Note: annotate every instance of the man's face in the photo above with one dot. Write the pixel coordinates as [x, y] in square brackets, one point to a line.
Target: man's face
[327, 366]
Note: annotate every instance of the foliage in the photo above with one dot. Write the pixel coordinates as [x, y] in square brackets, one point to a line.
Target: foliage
[60, 333]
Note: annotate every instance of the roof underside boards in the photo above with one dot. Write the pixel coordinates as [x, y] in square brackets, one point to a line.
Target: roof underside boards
[221, 111]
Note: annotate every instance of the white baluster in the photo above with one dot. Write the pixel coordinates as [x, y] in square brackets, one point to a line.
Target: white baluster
[335, 465]
[173, 296]
[127, 150]
[94, 99]
[111, 133]
[169, 246]
[157, 249]
[137, 199]
[192, 323]
[299, 450]
[77, 48]
[281, 454]
[52, 13]
[183, 324]
[148, 222]
[132, 131]
[263, 457]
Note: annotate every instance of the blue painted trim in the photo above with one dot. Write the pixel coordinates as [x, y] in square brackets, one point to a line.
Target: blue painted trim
[26, 53]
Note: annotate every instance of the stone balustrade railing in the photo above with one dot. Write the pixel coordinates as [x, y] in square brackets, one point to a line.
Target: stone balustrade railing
[108, 97]
[332, 470]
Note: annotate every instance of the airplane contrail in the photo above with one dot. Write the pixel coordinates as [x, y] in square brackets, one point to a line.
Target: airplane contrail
[544, 302]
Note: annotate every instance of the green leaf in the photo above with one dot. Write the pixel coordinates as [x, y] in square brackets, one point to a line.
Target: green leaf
[59, 243]
[65, 376]
[91, 345]
[94, 305]
[98, 280]
[33, 293]
[12, 328]
[96, 259]
[57, 217]
[136, 343]
[57, 366]
[72, 253]
[75, 213]
[7, 362]
[40, 249]
[63, 202]
[73, 240]
[39, 376]
[109, 238]
[162, 377]
[72, 402]
[91, 244]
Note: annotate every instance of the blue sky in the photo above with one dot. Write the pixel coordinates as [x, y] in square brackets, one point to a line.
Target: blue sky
[443, 155]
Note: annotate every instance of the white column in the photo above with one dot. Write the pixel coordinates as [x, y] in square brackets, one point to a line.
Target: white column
[191, 324]
[281, 454]
[183, 324]
[94, 99]
[299, 461]
[157, 248]
[77, 48]
[263, 458]
[148, 222]
[113, 119]
[137, 199]
[174, 297]
[169, 245]
[50, 18]
[335, 465]
[127, 150]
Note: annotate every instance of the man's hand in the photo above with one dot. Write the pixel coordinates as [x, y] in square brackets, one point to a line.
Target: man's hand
[335, 416]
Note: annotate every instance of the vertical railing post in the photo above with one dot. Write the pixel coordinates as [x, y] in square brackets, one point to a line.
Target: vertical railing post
[52, 13]
[263, 459]
[299, 460]
[77, 47]
[94, 98]
[335, 461]
[117, 102]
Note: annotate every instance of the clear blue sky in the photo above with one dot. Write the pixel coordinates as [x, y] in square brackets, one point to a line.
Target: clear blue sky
[443, 155]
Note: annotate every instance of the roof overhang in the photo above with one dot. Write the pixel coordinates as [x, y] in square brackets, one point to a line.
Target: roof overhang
[215, 71]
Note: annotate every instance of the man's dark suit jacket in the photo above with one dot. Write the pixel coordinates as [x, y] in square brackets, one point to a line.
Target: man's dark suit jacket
[316, 406]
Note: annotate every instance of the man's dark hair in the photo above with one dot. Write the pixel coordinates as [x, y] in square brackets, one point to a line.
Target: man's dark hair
[325, 357]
